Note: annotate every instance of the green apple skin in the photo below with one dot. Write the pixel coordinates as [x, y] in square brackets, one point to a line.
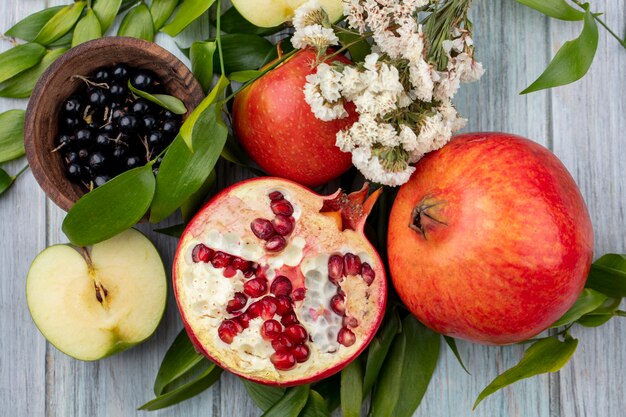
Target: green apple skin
[270, 13]
[62, 300]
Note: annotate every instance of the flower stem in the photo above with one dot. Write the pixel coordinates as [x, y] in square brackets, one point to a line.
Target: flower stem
[218, 36]
[596, 16]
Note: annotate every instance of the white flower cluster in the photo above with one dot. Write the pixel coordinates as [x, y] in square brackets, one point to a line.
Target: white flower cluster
[404, 104]
[309, 23]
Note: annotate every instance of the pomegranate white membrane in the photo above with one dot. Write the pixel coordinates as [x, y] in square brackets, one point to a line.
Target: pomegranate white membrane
[278, 284]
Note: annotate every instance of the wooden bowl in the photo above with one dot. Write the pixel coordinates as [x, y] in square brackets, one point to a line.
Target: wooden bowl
[57, 84]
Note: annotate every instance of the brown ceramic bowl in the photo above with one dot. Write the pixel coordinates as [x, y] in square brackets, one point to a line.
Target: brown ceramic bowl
[57, 84]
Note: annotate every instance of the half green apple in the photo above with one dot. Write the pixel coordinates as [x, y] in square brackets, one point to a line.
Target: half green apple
[94, 302]
[270, 13]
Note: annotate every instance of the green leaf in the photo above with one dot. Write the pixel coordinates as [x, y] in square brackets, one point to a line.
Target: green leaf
[264, 396]
[188, 11]
[315, 406]
[358, 49]
[22, 85]
[5, 181]
[559, 9]
[106, 11]
[378, 348]
[20, 58]
[171, 103]
[572, 61]
[201, 56]
[128, 4]
[60, 24]
[352, 389]
[546, 355]
[110, 208]
[602, 314]
[64, 41]
[87, 29]
[245, 76]
[186, 130]
[186, 391]
[451, 342]
[28, 28]
[330, 390]
[161, 10]
[290, 404]
[194, 202]
[608, 275]
[420, 360]
[173, 231]
[11, 135]
[138, 23]
[233, 22]
[387, 388]
[179, 359]
[242, 52]
[588, 301]
[183, 172]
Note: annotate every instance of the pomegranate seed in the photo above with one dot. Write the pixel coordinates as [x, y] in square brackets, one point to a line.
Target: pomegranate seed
[283, 207]
[283, 224]
[255, 287]
[351, 322]
[271, 329]
[301, 353]
[351, 264]
[265, 308]
[341, 292]
[335, 268]
[298, 294]
[237, 303]
[276, 195]
[296, 333]
[284, 305]
[228, 330]
[289, 318]
[367, 273]
[262, 228]
[346, 337]
[337, 304]
[276, 244]
[244, 319]
[201, 253]
[249, 273]
[229, 271]
[241, 264]
[282, 343]
[283, 361]
[220, 260]
[259, 271]
[281, 286]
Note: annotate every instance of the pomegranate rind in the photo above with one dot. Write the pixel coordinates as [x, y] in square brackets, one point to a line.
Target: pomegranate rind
[309, 222]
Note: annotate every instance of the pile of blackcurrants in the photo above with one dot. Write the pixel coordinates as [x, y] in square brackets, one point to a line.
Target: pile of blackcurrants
[104, 129]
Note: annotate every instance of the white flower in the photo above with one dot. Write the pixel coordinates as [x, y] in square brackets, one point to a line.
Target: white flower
[447, 86]
[321, 92]
[310, 13]
[372, 169]
[354, 12]
[408, 138]
[451, 117]
[329, 82]
[468, 69]
[352, 83]
[420, 75]
[316, 36]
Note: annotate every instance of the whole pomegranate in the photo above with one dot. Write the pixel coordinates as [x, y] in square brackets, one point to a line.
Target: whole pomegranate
[279, 132]
[490, 240]
[278, 284]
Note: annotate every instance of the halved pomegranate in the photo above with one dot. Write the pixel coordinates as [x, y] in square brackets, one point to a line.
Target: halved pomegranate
[278, 284]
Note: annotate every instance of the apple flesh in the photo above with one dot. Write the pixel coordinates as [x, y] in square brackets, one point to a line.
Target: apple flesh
[94, 302]
[490, 240]
[278, 130]
[270, 13]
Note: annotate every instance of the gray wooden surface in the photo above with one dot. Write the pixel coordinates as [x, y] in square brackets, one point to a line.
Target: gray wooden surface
[583, 124]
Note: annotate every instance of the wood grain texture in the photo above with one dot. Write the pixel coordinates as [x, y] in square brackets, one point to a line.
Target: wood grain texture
[583, 123]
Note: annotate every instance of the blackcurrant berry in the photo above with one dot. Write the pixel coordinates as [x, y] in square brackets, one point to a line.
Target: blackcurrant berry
[71, 157]
[133, 162]
[128, 124]
[168, 114]
[143, 80]
[83, 137]
[103, 141]
[149, 122]
[83, 155]
[73, 171]
[97, 98]
[97, 161]
[64, 141]
[120, 72]
[101, 75]
[71, 123]
[155, 140]
[170, 127]
[73, 105]
[141, 107]
[117, 113]
[117, 90]
[101, 180]
[108, 129]
[119, 153]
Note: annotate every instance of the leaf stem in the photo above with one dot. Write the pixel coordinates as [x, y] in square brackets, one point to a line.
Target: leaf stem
[597, 18]
[21, 171]
[218, 36]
